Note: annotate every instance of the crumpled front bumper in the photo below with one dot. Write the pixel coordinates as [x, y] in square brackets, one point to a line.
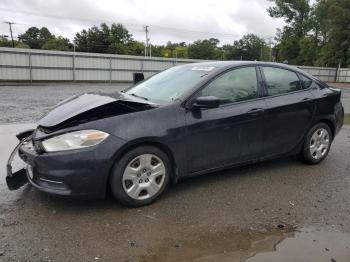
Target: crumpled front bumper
[21, 159]
[16, 167]
[79, 173]
[15, 179]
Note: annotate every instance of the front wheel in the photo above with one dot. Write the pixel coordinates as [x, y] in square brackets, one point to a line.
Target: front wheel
[140, 176]
[317, 144]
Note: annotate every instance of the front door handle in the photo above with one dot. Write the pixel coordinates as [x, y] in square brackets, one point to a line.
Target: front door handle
[306, 99]
[256, 111]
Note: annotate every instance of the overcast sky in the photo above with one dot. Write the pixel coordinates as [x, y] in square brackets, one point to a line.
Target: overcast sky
[180, 20]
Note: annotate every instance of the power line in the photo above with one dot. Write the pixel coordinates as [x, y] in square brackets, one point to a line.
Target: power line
[10, 25]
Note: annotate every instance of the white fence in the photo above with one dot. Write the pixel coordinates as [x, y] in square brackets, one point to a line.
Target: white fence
[326, 74]
[30, 65]
[41, 65]
[329, 74]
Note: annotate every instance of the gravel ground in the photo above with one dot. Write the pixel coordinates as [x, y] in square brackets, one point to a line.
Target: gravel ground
[280, 210]
[28, 103]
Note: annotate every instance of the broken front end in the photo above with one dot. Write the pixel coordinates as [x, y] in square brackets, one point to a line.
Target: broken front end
[17, 168]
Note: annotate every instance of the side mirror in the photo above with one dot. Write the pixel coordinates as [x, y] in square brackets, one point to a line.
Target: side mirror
[138, 77]
[206, 102]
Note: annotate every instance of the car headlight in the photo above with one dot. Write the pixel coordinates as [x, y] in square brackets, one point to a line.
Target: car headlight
[74, 140]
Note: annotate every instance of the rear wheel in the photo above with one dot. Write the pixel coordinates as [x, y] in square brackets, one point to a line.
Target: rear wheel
[317, 144]
[140, 176]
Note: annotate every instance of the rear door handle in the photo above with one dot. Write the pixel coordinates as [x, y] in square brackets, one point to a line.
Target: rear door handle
[256, 111]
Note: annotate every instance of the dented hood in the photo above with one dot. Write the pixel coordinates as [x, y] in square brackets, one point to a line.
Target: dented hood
[88, 106]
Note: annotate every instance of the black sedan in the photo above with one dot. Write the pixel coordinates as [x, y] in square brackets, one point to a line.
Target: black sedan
[187, 120]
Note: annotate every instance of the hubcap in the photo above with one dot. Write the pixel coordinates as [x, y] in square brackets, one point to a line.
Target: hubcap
[319, 143]
[144, 176]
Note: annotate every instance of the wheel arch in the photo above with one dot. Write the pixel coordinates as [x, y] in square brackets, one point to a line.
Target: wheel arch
[326, 121]
[134, 144]
[329, 123]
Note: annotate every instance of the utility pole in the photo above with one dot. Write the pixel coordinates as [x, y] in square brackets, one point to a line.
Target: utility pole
[73, 61]
[10, 25]
[270, 46]
[147, 39]
[337, 71]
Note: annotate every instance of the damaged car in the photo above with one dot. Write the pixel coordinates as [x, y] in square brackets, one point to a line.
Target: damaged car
[188, 120]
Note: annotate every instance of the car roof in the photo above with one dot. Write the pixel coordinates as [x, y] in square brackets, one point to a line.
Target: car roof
[231, 64]
[239, 63]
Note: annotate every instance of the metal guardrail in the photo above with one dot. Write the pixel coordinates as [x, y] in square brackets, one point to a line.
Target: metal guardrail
[42, 65]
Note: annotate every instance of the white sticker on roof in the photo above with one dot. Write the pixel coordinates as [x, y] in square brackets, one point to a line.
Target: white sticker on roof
[203, 68]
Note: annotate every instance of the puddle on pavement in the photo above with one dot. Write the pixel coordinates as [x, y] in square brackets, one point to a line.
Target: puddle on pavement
[287, 244]
[347, 119]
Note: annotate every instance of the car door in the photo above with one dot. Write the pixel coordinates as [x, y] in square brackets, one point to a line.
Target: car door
[232, 132]
[289, 109]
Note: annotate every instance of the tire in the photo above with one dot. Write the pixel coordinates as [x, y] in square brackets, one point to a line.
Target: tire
[140, 176]
[316, 145]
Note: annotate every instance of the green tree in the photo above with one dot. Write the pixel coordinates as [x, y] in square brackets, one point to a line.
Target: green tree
[320, 20]
[4, 42]
[135, 48]
[35, 37]
[93, 40]
[104, 39]
[205, 49]
[81, 41]
[21, 45]
[44, 35]
[58, 43]
[31, 37]
[309, 50]
[156, 50]
[336, 31]
[297, 15]
[119, 34]
[249, 47]
[179, 50]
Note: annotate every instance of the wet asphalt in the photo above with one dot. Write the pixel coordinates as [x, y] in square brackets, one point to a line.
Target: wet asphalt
[280, 210]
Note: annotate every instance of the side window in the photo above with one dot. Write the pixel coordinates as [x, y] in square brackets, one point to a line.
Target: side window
[237, 85]
[280, 81]
[305, 81]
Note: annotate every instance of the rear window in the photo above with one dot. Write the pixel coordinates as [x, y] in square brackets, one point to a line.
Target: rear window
[280, 81]
[305, 81]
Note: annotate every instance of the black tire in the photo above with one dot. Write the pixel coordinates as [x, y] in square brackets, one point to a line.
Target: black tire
[116, 179]
[305, 154]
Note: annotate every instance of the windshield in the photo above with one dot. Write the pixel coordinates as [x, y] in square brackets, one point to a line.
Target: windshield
[170, 84]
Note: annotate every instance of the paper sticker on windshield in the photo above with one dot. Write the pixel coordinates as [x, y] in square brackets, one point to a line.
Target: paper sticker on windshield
[203, 68]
